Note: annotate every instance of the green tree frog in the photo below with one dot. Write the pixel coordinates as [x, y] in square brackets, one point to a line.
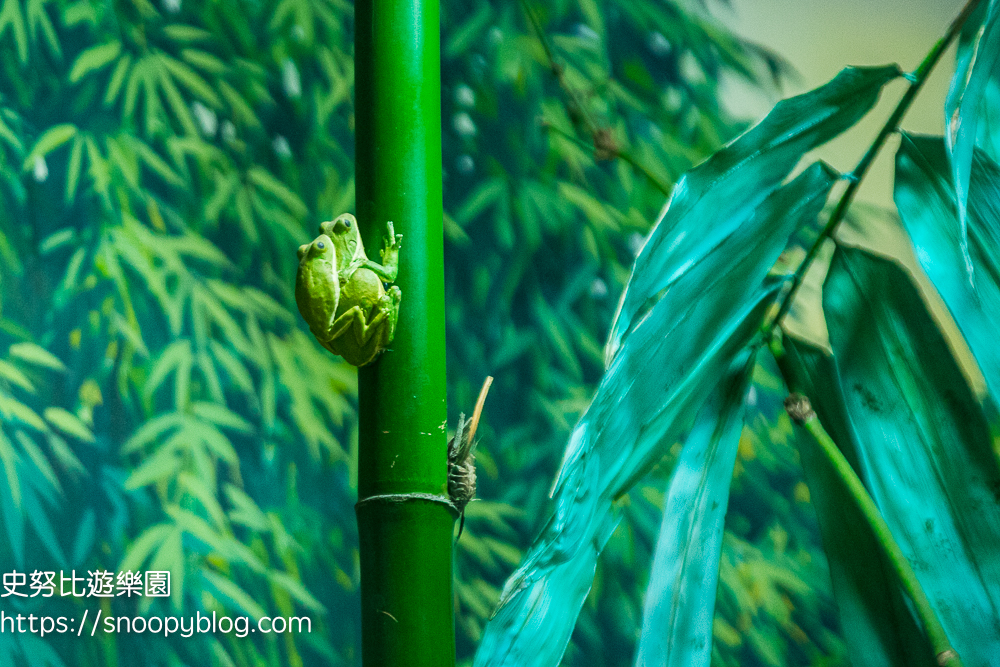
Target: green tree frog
[340, 292]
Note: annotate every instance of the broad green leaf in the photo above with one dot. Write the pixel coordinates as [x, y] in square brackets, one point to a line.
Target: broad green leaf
[655, 382]
[978, 68]
[36, 355]
[93, 59]
[724, 191]
[924, 443]
[927, 206]
[68, 423]
[677, 612]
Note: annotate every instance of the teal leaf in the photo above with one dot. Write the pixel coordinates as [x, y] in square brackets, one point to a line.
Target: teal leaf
[873, 611]
[923, 441]
[677, 613]
[727, 188]
[977, 69]
[657, 379]
[927, 206]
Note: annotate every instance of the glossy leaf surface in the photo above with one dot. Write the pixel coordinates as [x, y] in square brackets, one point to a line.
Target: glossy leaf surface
[924, 444]
[680, 598]
[873, 614]
[722, 193]
[927, 205]
[655, 382]
[972, 93]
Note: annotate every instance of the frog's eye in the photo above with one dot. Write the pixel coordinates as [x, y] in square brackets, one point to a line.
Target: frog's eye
[320, 245]
[347, 223]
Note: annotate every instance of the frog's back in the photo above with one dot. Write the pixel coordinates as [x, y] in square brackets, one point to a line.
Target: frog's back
[364, 289]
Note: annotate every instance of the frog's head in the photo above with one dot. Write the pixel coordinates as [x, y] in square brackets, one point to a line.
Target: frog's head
[346, 237]
[321, 251]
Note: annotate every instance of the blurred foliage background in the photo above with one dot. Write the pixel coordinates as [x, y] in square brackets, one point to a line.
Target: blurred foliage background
[163, 406]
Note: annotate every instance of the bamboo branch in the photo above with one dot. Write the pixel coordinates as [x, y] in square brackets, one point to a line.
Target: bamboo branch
[916, 79]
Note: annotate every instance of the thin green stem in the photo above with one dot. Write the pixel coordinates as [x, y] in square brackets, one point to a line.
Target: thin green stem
[596, 132]
[800, 410]
[854, 179]
[627, 157]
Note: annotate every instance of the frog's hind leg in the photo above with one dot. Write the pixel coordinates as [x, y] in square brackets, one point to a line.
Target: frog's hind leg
[364, 330]
[345, 321]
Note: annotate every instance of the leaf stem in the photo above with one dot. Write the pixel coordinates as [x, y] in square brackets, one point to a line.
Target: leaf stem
[916, 79]
[801, 412]
[602, 142]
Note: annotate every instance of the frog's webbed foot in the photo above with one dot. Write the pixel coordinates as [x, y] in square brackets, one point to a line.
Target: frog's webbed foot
[389, 254]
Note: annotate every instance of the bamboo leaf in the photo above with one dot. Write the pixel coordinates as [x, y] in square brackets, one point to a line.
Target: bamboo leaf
[871, 607]
[73, 169]
[268, 183]
[654, 384]
[170, 360]
[222, 416]
[93, 59]
[677, 613]
[937, 492]
[232, 595]
[927, 205]
[13, 374]
[13, 409]
[11, 17]
[204, 61]
[117, 78]
[68, 423]
[51, 139]
[143, 546]
[733, 182]
[190, 79]
[180, 32]
[297, 591]
[161, 465]
[978, 68]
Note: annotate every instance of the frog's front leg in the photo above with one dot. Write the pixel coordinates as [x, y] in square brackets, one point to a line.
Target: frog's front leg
[389, 267]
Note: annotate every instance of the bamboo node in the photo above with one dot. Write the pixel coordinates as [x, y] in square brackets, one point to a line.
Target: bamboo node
[799, 408]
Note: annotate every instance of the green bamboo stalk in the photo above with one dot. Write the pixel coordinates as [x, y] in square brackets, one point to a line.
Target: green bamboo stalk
[405, 521]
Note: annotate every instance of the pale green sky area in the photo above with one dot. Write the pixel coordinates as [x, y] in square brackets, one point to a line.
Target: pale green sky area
[819, 37]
